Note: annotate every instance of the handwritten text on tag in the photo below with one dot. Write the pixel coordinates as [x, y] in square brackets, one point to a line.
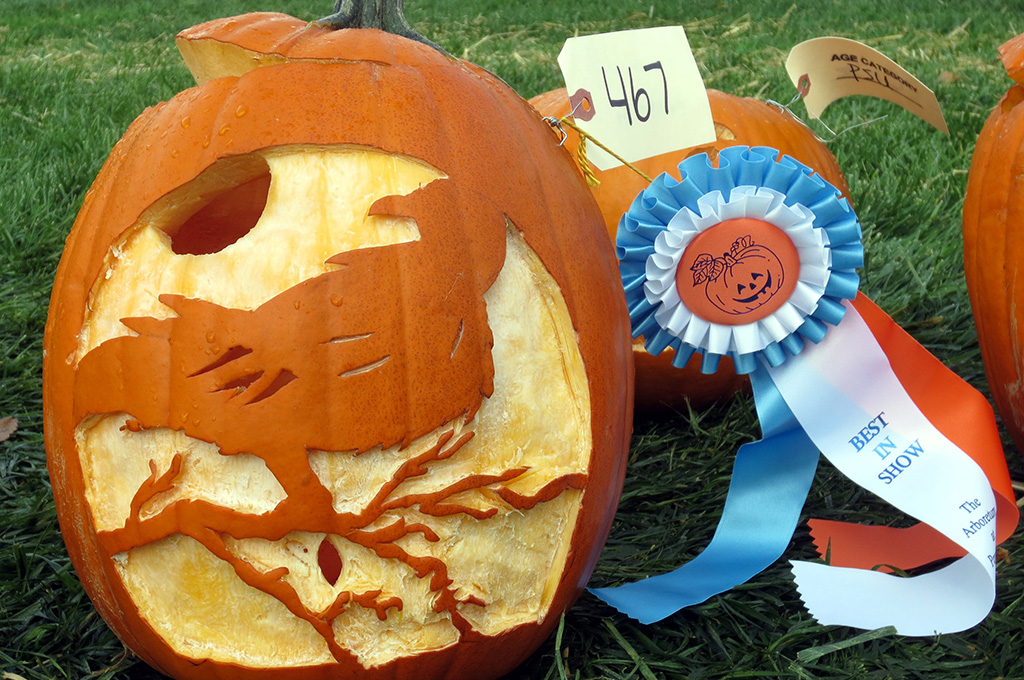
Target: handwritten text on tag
[638, 92]
[826, 69]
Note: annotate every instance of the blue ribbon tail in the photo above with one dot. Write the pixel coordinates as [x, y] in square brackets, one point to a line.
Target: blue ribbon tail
[770, 482]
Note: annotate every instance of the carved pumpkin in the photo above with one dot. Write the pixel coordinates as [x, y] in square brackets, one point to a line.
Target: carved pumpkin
[738, 121]
[337, 374]
[992, 244]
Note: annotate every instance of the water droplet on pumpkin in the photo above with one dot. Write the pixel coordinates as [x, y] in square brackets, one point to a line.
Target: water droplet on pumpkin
[336, 300]
[298, 304]
[210, 336]
[185, 122]
[224, 130]
[206, 142]
[241, 111]
[174, 153]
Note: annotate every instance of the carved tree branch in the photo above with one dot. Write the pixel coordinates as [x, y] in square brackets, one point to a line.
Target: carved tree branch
[209, 524]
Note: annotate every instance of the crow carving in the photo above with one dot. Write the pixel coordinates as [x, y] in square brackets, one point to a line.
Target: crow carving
[390, 346]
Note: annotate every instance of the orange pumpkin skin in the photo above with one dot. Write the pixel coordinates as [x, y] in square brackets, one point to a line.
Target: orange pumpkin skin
[738, 121]
[502, 175]
[993, 248]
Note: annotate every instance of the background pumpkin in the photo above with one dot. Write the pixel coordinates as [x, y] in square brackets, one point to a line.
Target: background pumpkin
[738, 121]
[324, 400]
[993, 247]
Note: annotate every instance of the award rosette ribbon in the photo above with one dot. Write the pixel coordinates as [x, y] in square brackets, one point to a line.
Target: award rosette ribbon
[756, 259]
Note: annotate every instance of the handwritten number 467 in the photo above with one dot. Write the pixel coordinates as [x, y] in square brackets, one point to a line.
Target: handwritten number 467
[637, 102]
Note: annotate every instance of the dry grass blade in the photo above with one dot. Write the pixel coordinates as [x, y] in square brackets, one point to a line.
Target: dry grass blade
[8, 426]
[813, 653]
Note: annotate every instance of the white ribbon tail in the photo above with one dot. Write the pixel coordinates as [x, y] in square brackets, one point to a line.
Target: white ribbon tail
[946, 601]
[847, 398]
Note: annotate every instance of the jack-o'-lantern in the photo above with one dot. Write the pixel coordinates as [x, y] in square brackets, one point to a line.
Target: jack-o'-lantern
[992, 244]
[337, 374]
[739, 121]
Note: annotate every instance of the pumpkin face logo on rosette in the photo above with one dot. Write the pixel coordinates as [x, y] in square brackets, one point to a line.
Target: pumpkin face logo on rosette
[740, 281]
[751, 278]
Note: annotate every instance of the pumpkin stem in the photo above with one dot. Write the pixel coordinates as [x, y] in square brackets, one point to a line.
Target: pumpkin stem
[386, 15]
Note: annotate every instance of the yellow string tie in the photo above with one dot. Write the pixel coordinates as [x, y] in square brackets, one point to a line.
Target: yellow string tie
[584, 162]
[581, 154]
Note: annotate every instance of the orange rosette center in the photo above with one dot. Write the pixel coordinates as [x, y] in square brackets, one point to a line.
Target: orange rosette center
[740, 271]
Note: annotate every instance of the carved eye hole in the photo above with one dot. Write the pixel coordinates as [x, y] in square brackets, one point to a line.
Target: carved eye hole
[223, 220]
[220, 207]
[329, 561]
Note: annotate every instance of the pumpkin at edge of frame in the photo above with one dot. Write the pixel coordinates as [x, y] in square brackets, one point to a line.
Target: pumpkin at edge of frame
[995, 192]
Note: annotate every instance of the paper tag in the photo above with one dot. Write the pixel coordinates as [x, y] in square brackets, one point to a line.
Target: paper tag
[638, 92]
[826, 69]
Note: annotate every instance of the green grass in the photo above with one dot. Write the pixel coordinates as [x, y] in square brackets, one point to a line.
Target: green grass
[73, 74]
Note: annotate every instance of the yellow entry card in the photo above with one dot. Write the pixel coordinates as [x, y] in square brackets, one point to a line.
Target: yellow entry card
[826, 69]
[637, 92]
